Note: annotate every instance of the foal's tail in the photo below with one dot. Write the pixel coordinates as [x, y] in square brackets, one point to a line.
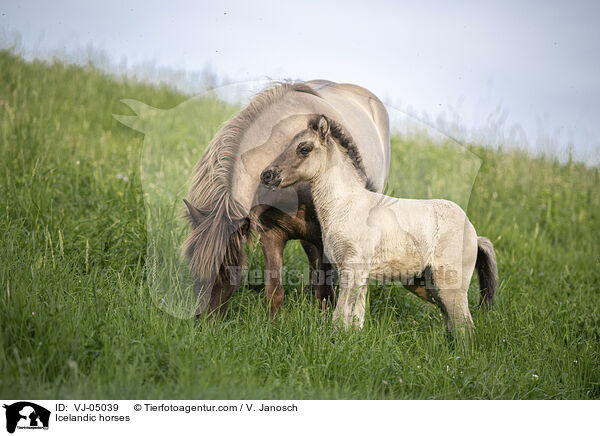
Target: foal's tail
[487, 271]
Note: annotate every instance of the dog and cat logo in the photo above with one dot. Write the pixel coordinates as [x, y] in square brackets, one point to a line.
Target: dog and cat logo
[26, 415]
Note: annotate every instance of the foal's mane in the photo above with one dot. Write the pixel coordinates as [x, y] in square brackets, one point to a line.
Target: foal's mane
[347, 145]
[217, 238]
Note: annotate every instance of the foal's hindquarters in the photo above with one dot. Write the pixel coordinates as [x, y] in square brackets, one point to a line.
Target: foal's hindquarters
[428, 245]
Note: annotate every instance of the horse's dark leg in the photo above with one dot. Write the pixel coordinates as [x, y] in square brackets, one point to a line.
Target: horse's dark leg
[312, 253]
[321, 273]
[272, 243]
[327, 294]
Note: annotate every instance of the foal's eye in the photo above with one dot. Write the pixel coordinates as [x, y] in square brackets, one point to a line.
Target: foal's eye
[304, 148]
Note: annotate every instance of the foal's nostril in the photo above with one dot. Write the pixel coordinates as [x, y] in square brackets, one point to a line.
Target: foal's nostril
[267, 176]
[270, 178]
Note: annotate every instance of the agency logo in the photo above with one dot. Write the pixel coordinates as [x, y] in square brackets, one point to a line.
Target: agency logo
[26, 415]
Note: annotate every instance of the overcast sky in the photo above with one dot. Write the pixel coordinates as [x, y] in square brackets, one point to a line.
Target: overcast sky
[538, 61]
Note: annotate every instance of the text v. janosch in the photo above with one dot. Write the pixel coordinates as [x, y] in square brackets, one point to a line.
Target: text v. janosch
[243, 407]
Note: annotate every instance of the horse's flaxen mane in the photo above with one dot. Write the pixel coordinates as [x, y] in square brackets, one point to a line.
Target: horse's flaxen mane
[217, 240]
[347, 144]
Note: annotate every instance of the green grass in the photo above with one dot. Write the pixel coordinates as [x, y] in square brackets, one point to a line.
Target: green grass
[80, 319]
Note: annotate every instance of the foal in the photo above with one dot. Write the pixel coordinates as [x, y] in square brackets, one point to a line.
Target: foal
[429, 245]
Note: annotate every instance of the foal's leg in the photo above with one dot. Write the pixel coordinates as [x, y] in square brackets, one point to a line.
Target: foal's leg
[272, 243]
[452, 299]
[325, 291]
[352, 299]
[455, 308]
[321, 273]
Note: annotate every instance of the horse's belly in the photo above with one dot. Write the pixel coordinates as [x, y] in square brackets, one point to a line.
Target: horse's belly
[396, 269]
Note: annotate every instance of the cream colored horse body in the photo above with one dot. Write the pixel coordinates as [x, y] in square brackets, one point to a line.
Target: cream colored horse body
[373, 236]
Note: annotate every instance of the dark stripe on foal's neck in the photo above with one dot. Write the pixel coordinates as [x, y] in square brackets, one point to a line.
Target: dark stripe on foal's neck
[345, 141]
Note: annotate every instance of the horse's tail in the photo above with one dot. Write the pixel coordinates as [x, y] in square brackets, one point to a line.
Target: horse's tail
[487, 271]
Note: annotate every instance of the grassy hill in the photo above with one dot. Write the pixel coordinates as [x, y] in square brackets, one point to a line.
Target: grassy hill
[78, 318]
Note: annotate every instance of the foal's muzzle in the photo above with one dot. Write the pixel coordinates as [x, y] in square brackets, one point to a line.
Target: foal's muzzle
[271, 178]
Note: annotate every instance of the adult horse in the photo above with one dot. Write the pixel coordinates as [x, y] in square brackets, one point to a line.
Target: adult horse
[226, 201]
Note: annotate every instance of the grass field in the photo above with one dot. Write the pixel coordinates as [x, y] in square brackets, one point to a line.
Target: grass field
[78, 318]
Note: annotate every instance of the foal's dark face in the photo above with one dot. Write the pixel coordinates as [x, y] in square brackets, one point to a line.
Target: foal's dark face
[302, 160]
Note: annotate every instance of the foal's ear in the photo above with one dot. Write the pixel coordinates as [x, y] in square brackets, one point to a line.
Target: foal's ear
[323, 127]
[194, 214]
